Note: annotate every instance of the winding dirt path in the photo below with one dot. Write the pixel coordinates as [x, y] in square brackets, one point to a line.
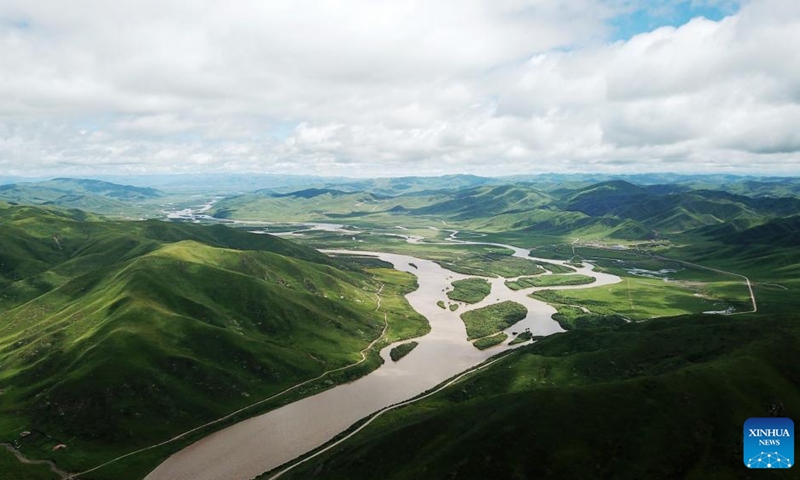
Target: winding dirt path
[23, 459]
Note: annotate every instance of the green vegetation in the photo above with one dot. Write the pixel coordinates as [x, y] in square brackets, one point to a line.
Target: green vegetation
[549, 281]
[441, 305]
[679, 386]
[486, 342]
[493, 318]
[470, 290]
[639, 298]
[491, 265]
[11, 468]
[119, 335]
[402, 350]
[556, 268]
[521, 338]
[571, 318]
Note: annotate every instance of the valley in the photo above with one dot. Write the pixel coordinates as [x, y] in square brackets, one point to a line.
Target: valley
[305, 306]
[436, 240]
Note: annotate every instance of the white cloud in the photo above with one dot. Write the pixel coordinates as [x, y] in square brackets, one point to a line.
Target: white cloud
[379, 87]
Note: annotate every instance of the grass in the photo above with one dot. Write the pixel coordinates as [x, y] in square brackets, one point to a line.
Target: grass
[240, 314]
[441, 305]
[486, 342]
[402, 350]
[554, 267]
[521, 338]
[11, 468]
[480, 260]
[492, 265]
[453, 307]
[571, 318]
[640, 298]
[672, 395]
[493, 318]
[469, 290]
[549, 281]
[126, 334]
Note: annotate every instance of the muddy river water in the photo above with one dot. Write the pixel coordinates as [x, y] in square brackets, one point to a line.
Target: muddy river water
[259, 444]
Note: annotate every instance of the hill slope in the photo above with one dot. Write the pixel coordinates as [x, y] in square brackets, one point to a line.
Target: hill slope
[661, 400]
[115, 335]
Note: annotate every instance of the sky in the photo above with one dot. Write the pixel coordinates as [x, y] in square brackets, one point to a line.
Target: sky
[387, 88]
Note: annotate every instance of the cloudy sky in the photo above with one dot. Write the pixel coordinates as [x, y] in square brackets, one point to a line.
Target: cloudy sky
[378, 88]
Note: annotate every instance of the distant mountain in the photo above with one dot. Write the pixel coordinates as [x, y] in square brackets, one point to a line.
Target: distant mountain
[486, 201]
[105, 189]
[307, 193]
[304, 205]
[92, 195]
[675, 210]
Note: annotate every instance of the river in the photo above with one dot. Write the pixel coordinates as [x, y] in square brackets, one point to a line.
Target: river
[259, 444]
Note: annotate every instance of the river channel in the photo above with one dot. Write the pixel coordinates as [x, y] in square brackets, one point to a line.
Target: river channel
[262, 443]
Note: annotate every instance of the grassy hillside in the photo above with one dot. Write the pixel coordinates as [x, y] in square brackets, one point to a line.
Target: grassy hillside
[614, 209]
[661, 400]
[90, 195]
[115, 335]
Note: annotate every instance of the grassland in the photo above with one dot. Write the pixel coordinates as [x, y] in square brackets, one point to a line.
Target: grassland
[119, 335]
[81, 299]
[469, 290]
[555, 268]
[549, 281]
[493, 318]
[670, 396]
[486, 342]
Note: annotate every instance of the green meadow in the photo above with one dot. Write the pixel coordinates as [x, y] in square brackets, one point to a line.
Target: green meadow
[548, 281]
[469, 290]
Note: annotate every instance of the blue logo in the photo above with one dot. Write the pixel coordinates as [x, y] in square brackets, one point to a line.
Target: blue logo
[769, 443]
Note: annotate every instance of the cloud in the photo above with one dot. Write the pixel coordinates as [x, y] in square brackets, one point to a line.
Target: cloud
[389, 88]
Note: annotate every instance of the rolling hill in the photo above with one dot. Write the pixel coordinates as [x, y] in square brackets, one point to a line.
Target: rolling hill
[614, 209]
[90, 195]
[115, 335]
[665, 399]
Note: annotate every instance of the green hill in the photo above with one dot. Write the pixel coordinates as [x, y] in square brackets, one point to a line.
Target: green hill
[486, 201]
[91, 195]
[661, 400]
[117, 335]
[780, 232]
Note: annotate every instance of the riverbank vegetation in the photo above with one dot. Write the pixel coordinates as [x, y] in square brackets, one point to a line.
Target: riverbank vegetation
[402, 350]
[522, 338]
[549, 281]
[491, 341]
[469, 290]
[493, 318]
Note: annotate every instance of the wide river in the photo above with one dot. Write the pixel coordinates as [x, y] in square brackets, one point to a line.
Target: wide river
[259, 444]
